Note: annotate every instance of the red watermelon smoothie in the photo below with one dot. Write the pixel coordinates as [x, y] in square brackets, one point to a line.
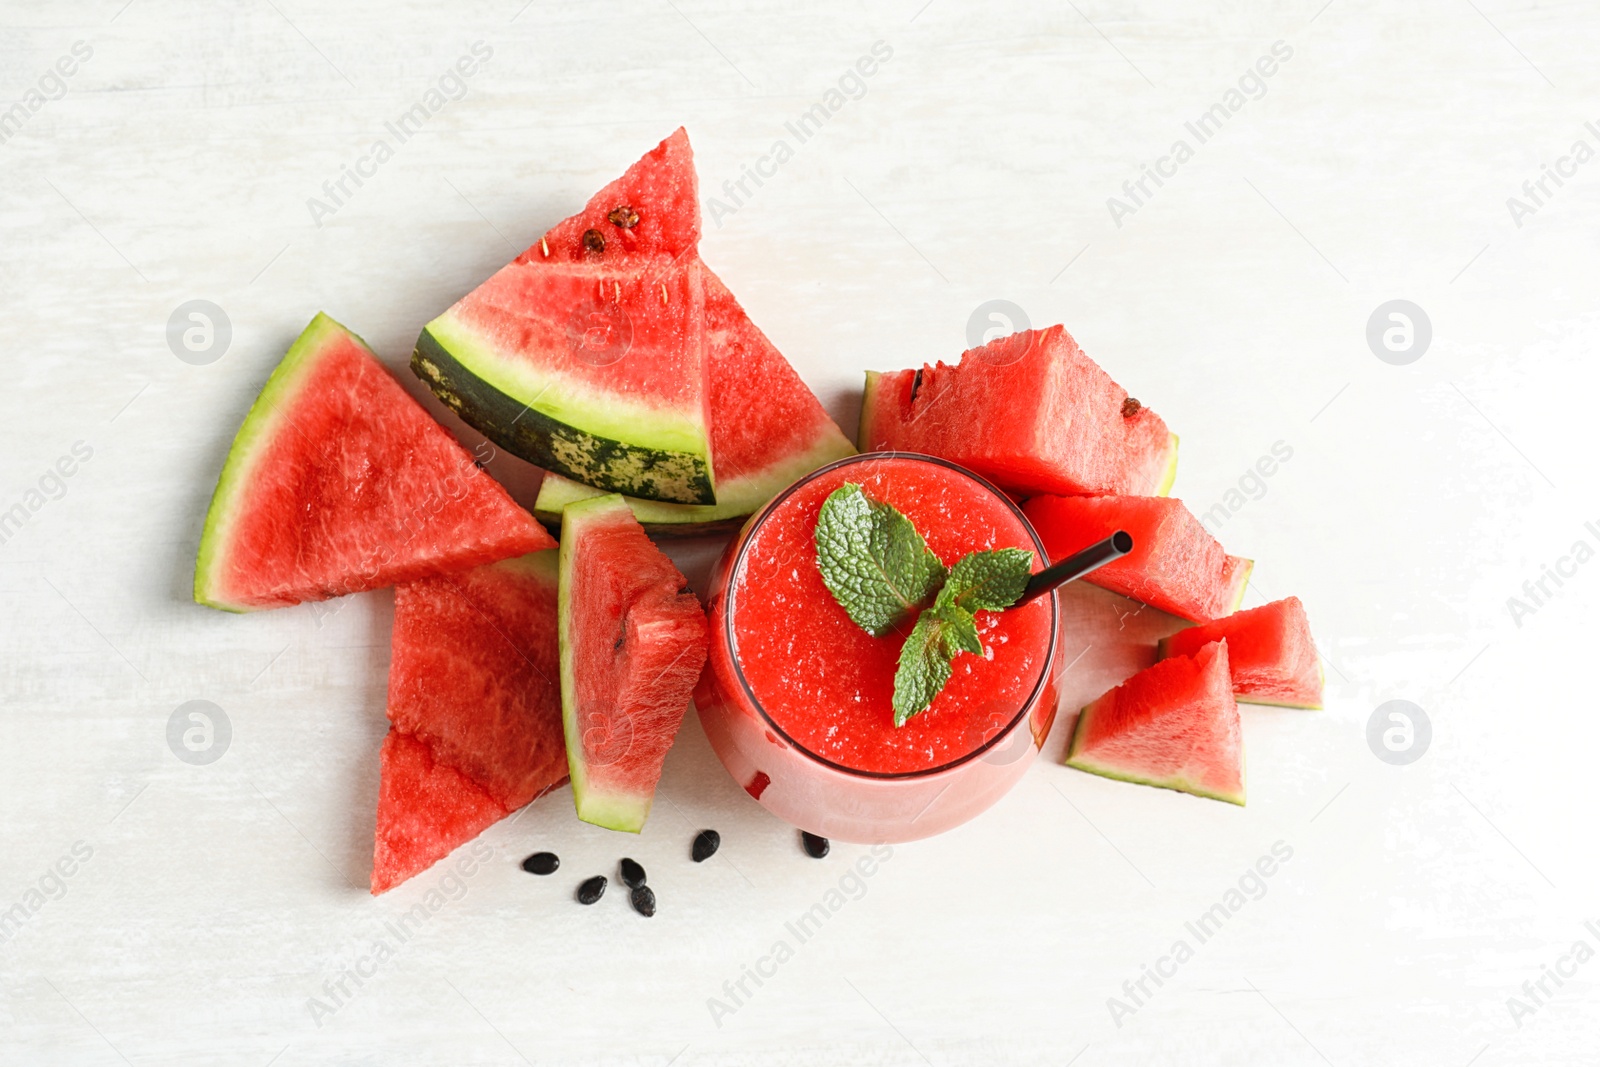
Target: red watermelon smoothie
[796, 698]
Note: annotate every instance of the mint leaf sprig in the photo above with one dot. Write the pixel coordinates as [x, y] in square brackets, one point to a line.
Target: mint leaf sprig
[880, 570]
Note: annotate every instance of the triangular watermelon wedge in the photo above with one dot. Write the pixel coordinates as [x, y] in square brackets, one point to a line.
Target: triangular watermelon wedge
[615, 393]
[338, 482]
[1272, 657]
[1176, 565]
[768, 429]
[474, 710]
[633, 640]
[1173, 725]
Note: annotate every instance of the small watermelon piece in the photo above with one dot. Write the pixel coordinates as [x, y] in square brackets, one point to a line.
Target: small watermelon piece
[605, 382]
[338, 481]
[1173, 725]
[768, 429]
[1030, 412]
[633, 640]
[1272, 658]
[474, 710]
[1176, 565]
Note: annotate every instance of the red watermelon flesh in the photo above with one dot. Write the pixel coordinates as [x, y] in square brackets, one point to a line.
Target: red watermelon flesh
[1173, 725]
[1030, 412]
[633, 640]
[1272, 658]
[474, 710]
[652, 210]
[338, 481]
[1176, 565]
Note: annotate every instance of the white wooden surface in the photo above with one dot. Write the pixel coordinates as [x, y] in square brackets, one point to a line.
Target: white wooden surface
[219, 899]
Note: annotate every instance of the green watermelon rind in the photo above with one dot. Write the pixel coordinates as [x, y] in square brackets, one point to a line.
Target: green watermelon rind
[256, 432]
[737, 497]
[597, 439]
[1181, 785]
[626, 812]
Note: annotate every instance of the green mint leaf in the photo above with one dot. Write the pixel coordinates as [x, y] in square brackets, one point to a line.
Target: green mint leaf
[873, 560]
[924, 667]
[958, 632]
[980, 581]
[987, 581]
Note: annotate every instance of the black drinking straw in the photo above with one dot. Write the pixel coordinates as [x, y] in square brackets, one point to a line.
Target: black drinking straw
[1078, 564]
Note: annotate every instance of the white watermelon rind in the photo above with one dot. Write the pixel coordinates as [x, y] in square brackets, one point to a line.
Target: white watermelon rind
[259, 429]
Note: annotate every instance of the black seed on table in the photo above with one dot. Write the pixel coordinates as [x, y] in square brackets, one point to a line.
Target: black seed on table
[541, 863]
[644, 900]
[816, 847]
[632, 873]
[592, 889]
[706, 843]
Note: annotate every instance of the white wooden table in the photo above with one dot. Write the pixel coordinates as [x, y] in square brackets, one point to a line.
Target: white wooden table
[209, 905]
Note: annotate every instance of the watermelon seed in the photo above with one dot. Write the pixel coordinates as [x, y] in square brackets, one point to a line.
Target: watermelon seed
[544, 246]
[592, 889]
[644, 900]
[632, 873]
[594, 241]
[706, 843]
[624, 216]
[542, 863]
[1130, 408]
[916, 383]
[816, 847]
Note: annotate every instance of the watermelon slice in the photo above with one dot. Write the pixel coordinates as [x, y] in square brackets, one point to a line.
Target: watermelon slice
[1030, 412]
[1173, 725]
[474, 710]
[586, 354]
[1271, 656]
[633, 640]
[338, 482]
[767, 429]
[1175, 565]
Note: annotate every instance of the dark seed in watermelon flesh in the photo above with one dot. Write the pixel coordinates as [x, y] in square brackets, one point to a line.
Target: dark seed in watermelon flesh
[1272, 658]
[339, 482]
[594, 241]
[633, 875]
[706, 843]
[644, 900]
[542, 863]
[623, 216]
[1176, 565]
[621, 707]
[1173, 725]
[592, 889]
[474, 707]
[1030, 412]
[816, 846]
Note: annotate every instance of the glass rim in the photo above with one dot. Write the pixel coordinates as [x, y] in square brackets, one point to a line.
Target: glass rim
[747, 537]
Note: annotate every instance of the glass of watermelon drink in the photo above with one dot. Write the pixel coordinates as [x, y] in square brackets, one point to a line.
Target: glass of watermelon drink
[796, 698]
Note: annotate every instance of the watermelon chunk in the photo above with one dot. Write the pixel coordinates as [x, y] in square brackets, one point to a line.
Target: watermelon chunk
[1272, 658]
[474, 710]
[1173, 725]
[1176, 565]
[633, 640]
[768, 429]
[656, 204]
[1030, 412]
[338, 481]
[591, 370]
